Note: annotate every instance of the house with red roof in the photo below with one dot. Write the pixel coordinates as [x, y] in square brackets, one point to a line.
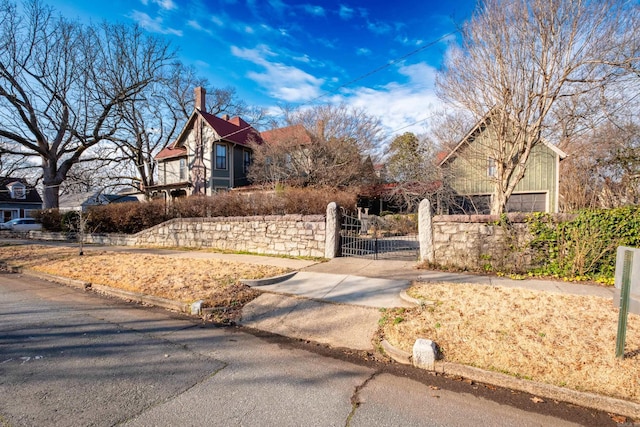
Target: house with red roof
[210, 154]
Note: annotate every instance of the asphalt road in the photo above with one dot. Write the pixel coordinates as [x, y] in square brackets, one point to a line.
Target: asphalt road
[70, 358]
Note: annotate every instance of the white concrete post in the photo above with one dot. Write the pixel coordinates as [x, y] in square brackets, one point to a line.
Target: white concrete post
[332, 236]
[425, 231]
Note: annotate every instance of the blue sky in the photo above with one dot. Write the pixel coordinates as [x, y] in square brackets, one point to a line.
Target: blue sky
[278, 52]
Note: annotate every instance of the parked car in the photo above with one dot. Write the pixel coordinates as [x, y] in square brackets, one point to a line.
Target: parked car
[21, 224]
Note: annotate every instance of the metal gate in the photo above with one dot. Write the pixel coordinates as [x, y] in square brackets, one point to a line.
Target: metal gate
[370, 236]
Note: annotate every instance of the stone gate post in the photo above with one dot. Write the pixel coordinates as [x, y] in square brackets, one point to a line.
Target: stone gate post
[332, 236]
[425, 231]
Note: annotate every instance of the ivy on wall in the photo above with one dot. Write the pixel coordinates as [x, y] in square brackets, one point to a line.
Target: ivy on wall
[583, 248]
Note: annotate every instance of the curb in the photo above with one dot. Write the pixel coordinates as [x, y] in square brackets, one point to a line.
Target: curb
[404, 296]
[396, 354]
[548, 391]
[411, 300]
[268, 280]
[107, 290]
[80, 284]
[143, 298]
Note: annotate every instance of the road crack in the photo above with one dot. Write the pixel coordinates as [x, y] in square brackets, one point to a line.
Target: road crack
[355, 397]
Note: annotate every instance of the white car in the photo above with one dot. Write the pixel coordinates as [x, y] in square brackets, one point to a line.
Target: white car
[21, 224]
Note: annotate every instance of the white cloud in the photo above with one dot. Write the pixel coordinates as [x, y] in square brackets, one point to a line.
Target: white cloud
[153, 25]
[304, 58]
[282, 81]
[326, 42]
[363, 51]
[201, 64]
[166, 4]
[196, 26]
[420, 74]
[217, 20]
[378, 27]
[345, 12]
[314, 10]
[400, 107]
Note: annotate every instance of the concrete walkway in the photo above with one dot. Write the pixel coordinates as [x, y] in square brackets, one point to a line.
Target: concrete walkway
[343, 289]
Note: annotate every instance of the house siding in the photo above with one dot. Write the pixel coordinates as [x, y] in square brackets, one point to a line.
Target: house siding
[469, 170]
[170, 172]
[239, 177]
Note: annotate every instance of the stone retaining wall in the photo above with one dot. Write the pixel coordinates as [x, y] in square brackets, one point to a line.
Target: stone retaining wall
[292, 235]
[481, 242]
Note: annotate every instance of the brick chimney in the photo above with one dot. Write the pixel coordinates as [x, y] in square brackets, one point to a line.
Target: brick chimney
[201, 99]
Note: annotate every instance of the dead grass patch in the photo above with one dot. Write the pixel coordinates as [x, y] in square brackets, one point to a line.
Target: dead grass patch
[29, 255]
[178, 279]
[564, 340]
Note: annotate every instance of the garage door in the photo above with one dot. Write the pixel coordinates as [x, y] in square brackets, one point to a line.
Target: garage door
[530, 202]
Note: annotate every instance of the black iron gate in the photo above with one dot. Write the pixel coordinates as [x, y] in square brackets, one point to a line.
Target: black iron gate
[370, 236]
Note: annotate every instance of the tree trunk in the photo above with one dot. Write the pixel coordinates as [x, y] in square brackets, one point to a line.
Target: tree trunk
[498, 202]
[51, 196]
[51, 183]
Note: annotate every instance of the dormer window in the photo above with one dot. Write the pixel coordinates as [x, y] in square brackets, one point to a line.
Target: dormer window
[17, 190]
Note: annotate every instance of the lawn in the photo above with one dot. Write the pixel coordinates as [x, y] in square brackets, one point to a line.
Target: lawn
[179, 279]
[559, 339]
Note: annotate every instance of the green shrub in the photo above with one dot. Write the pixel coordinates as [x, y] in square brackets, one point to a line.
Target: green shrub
[584, 246]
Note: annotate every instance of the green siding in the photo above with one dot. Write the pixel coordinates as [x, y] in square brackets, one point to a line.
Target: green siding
[470, 165]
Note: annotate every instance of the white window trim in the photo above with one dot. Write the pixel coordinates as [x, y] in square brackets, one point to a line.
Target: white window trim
[18, 186]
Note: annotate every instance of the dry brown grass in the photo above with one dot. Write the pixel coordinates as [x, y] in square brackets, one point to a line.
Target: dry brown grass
[29, 255]
[179, 279]
[565, 340]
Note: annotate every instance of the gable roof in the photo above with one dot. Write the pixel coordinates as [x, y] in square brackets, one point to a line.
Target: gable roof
[234, 130]
[171, 152]
[479, 128]
[31, 194]
[288, 133]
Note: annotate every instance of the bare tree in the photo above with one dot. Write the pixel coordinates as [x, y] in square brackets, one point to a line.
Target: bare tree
[603, 169]
[63, 83]
[520, 60]
[325, 145]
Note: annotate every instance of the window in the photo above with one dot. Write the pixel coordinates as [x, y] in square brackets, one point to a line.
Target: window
[183, 169]
[246, 160]
[221, 156]
[18, 191]
[492, 168]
